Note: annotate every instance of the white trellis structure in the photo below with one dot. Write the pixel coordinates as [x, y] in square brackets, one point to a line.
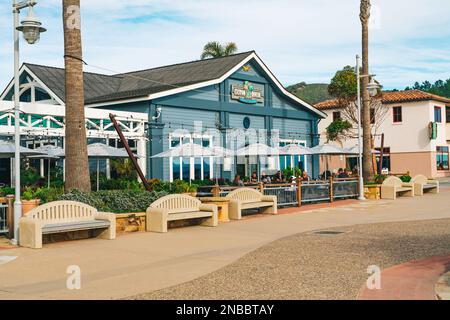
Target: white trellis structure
[46, 121]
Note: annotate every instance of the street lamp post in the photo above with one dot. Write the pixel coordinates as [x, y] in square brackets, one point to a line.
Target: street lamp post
[372, 87]
[31, 29]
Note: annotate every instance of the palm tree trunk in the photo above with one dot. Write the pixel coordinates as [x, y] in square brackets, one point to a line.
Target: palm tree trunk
[367, 166]
[77, 166]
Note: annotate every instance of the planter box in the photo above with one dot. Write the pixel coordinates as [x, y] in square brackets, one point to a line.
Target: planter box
[372, 192]
[130, 222]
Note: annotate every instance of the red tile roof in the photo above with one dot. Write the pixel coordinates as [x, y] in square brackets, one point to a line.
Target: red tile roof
[392, 97]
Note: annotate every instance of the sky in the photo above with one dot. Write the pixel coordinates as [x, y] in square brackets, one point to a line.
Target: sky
[299, 40]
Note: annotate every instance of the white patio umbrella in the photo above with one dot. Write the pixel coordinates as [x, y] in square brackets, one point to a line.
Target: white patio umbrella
[103, 151]
[329, 150]
[186, 150]
[354, 151]
[295, 149]
[258, 150]
[194, 150]
[7, 150]
[51, 153]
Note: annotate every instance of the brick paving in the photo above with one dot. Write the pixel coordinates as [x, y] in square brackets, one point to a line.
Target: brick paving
[414, 280]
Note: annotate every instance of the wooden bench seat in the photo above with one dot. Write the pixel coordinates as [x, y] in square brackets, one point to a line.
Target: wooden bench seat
[393, 186]
[179, 207]
[63, 216]
[248, 198]
[422, 184]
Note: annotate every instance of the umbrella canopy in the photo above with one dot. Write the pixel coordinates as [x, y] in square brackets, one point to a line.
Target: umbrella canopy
[7, 150]
[221, 152]
[49, 152]
[100, 150]
[328, 149]
[295, 149]
[257, 149]
[189, 150]
[355, 151]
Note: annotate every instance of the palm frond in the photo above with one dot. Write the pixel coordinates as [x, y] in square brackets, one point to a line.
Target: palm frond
[230, 48]
[212, 49]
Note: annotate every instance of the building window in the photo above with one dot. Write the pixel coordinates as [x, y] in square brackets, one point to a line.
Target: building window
[437, 114]
[372, 115]
[442, 158]
[190, 168]
[386, 158]
[397, 114]
[336, 115]
[292, 161]
[447, 114]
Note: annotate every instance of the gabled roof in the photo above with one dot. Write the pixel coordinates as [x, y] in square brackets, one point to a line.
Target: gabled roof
[94, 84]
[391, 97]
[101, 89]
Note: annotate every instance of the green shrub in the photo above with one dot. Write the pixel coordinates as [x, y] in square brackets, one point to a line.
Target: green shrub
[28, 194]
[117, 201]
[406, 178]
[48, 194]
[5, 191]
[379, 178]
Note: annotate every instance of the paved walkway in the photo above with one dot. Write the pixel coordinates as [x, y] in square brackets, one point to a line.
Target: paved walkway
[328, 266]
[145, 262]
[414, 280]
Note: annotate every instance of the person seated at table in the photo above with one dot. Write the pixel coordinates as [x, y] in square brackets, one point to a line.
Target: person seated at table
[237, 181]
[265, 178]
[342, 174]
[279, 177]
[326, 175]
[305, 176]
[254, 177]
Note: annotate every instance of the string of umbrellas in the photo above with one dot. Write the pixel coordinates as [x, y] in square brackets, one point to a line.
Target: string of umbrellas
[97, 151]
[255, 149]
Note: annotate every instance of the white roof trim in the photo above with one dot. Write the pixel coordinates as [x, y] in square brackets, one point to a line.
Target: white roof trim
[35, 78]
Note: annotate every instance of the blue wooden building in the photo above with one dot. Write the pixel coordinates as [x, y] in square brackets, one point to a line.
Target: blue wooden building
[231, 101]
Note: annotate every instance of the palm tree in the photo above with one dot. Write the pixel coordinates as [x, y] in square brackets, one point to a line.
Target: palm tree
[214, 49]
[367, 167]
[76, 163]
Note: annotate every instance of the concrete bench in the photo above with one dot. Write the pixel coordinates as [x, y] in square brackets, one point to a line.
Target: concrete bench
[248, 198]
[393, 187]
[179, 207]
[422, 184]
[63, 216]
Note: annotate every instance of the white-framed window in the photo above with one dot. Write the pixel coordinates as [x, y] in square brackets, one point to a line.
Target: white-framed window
[190, 168]
[291, 161]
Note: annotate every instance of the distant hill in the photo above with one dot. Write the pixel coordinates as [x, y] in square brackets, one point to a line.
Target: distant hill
[312, 93]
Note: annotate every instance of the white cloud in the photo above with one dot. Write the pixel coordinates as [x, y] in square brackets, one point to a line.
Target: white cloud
[299, 40]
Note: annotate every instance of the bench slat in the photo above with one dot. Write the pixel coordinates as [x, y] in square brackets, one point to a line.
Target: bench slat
[259, 204]
[75, 226]
[188, 215]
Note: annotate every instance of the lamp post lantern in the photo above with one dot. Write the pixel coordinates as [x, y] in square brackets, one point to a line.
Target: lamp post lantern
[372, 88]
[31, 29]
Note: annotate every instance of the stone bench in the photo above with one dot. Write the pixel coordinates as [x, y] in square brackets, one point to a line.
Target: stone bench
[179, 207]
[248, 198]
[393, 187]
[422, 184]
[63, 216]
